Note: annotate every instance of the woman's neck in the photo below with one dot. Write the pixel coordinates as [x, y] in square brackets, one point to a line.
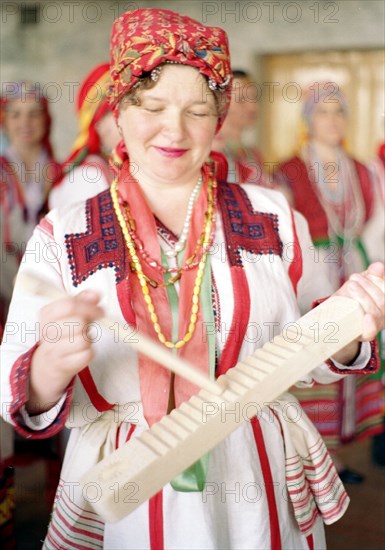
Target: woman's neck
[326, 152]
[169, 202]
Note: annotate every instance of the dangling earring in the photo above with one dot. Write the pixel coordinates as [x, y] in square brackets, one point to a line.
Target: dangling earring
[155, 73]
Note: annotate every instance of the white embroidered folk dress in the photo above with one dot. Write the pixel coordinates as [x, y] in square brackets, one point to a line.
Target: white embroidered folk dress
[245, 502]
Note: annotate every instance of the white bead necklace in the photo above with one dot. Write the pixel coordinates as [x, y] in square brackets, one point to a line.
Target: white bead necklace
[181, 243]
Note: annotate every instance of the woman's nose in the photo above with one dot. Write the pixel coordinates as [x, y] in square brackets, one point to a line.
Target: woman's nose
[24, 119]
[173, 125]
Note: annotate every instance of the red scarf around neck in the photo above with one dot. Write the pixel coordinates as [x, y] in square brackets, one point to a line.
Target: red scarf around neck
[155, 380]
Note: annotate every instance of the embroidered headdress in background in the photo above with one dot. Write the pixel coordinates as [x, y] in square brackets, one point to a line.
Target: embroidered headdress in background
[145, 38]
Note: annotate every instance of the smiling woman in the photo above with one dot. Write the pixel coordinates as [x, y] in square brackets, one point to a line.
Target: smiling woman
[86, 171]
[174, 120]
[175, 123]
[27, 171]
[334, 192]
[192, 262]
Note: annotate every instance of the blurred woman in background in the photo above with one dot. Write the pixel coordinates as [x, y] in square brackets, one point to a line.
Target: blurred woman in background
[335, 194]
[86, 172]
[27, 172]
[245, 161]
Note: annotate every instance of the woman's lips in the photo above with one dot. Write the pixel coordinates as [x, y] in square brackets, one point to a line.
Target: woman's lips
[171, 152]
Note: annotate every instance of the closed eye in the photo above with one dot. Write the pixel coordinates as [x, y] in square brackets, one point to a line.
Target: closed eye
[199, 114]
[153, 110]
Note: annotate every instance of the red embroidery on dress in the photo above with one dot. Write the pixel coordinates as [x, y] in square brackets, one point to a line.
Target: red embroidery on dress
[165, 233]
[19, 378]
[371, 367]
[101, 245]
[19, 384]
[245, 229]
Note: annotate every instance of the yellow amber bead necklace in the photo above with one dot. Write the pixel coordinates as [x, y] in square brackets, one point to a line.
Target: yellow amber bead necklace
[137, 266]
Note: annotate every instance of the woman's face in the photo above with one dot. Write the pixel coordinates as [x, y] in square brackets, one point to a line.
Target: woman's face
[25, 122]
[328, 123]
[168, 135]
[244, 106]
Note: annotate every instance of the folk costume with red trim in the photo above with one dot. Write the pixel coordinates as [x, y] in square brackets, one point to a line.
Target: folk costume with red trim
[250, 289]
[248, 295]
[352, 407]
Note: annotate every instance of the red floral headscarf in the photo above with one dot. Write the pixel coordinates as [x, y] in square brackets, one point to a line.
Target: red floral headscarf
[145, 38]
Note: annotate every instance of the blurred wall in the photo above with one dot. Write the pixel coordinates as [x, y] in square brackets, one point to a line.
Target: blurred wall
[72, 36]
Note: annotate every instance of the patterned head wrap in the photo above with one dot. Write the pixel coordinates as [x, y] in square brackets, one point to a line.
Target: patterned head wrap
[28, 90]
[322, 92]
[145, 38]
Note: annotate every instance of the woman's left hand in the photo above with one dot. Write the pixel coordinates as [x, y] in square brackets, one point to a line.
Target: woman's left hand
[367, 288]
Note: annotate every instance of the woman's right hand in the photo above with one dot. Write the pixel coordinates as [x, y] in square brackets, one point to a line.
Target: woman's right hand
[64, 353]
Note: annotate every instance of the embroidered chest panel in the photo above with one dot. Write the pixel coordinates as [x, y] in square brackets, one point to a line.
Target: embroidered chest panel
[246, 230]
[100, 246]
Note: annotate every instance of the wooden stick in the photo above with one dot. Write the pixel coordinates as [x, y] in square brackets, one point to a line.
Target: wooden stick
[142, 343]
